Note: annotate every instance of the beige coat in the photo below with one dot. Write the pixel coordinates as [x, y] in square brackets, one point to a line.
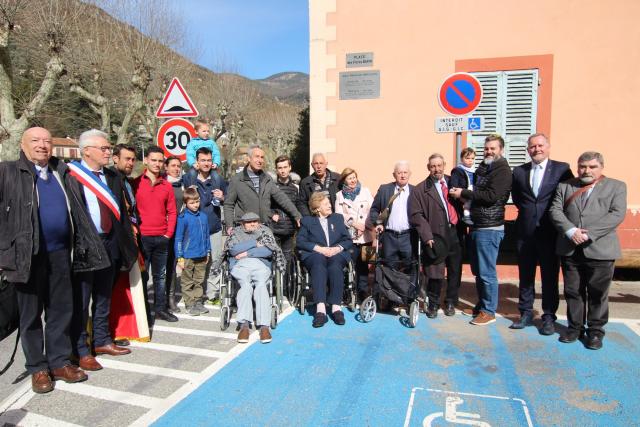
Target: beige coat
[356, 212]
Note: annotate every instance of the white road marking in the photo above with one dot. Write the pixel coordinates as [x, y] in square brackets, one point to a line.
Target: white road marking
[30, 419]
[198, 332]
[203, 376]
[146, 369]
[179, 349]
[111, 395]
[201, 317]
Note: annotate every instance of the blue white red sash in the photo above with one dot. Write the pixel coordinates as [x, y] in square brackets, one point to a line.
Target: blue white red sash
[96, 186]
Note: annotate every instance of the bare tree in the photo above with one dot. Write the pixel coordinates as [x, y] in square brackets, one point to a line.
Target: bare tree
[49, 24]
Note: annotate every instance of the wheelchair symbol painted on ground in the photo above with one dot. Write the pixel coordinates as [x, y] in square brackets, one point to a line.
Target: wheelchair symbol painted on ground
[452, 415]
[436, 408]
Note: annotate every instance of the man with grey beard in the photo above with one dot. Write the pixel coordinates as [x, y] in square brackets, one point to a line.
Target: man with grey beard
[586, 211]
[488, 198]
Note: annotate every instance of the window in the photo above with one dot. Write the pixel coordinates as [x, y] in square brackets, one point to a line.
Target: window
[509, 107]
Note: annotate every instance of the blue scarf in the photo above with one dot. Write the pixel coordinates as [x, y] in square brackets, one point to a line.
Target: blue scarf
[350, 194]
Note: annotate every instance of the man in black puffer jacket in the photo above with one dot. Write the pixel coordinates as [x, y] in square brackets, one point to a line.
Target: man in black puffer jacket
[488, 198]
[282, 224]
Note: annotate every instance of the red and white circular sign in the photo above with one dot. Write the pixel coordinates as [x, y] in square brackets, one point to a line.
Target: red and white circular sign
[173, 137]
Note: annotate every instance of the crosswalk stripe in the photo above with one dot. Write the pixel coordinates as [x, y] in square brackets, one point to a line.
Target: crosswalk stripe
[179, 349]
[29, 419]
[203, 317]
[146, 369]
[111, 395]
[199, 332]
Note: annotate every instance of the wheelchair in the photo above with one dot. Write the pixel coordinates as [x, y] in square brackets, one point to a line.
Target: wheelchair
[369, 306]
[303, 294]
[229, 288]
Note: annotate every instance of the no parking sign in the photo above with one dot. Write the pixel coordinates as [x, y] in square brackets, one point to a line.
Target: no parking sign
[460, 94]
[173, 137]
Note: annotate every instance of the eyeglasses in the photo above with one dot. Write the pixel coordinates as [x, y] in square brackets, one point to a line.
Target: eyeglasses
[104, 149]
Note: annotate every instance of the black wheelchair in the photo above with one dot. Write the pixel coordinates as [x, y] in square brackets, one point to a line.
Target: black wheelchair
[229, 288]
[303, 293]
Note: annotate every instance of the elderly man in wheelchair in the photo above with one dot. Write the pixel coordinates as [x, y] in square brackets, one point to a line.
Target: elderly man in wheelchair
[250, 250]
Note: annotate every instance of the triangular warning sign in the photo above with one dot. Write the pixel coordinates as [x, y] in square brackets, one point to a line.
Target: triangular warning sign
[176, 102]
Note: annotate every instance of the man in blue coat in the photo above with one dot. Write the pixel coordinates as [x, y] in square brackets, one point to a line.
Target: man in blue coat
[533, 188]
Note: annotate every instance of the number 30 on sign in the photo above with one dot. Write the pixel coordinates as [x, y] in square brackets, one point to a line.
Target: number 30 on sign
[173, 137]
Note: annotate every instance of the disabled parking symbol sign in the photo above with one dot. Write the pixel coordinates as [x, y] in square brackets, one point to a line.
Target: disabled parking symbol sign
[436, 408]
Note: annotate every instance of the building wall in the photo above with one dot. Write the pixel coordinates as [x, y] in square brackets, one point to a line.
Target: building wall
[588, 101]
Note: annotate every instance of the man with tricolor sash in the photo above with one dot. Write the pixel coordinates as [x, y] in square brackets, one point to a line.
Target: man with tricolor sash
[103, 202]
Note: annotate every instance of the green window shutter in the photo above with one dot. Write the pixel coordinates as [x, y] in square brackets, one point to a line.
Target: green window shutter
[509, 107]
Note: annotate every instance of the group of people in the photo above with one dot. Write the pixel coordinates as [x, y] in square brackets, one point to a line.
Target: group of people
[69, 231]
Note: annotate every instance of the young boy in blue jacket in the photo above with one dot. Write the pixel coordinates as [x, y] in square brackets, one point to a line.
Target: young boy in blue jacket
[202, 140]
[192, 247]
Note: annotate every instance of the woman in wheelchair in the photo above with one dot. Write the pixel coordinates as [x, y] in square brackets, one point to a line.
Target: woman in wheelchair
[323, 243]
[250, 250]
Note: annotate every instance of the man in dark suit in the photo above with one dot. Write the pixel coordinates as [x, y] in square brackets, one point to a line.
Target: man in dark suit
[586, 211]
[533, 187]
[394, 224]
[432, 212]
[103, 195]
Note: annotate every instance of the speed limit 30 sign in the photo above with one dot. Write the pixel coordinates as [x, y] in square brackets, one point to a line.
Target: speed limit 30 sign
[173, 137]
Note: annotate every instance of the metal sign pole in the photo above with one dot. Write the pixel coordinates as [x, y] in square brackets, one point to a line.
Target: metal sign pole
[458, 146]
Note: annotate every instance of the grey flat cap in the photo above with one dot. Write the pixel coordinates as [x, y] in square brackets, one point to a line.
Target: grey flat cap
[249, 216]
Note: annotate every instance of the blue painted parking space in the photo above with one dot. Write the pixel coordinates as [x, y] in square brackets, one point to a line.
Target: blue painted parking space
[442, 373]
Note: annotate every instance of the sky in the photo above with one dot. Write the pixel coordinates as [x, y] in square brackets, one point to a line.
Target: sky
[254, 38]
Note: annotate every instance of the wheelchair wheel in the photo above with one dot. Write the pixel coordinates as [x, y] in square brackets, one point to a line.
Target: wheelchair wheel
[303, 302]
[414, 311]
[225, 318]
[279, 297]
[274, 317]
[368, 309]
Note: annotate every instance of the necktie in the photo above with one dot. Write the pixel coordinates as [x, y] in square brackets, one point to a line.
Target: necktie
[105, 214]
[43, 173]
[536, 179]
[453, 215]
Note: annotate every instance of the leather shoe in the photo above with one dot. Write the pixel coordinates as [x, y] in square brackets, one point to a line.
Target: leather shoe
[265, 335]
[111, 350]
[319, 319]
[570, 336]
[243, 335]
[41, 382]
[166, 316]
[548, 327]
[122, 343]
[450, 310]
[69, 374]
[594, 342]
[432, 311]
[338, 317]
[525, 320]
[89, 363]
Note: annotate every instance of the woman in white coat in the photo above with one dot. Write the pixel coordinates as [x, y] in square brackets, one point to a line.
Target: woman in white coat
[353, 202]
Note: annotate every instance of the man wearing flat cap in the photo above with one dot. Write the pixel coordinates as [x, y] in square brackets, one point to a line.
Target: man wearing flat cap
[251, 249]
[434, 216]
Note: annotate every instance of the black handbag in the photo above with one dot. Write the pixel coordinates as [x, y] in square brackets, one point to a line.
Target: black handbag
[9, 316]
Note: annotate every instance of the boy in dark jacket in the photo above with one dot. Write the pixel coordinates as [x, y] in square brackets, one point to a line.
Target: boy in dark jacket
[192, 248]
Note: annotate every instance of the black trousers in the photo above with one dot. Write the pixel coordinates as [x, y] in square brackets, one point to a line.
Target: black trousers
[533, 251]
[399, 250]
[587, 282]
[453, 262]
[95, 286]
[323, 269]
[48, 289]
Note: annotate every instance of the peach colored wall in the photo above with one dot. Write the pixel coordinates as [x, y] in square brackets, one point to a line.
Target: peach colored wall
[416, 43]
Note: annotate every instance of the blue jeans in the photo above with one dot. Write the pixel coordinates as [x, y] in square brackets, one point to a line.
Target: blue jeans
[484, 256]
[156, 251]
